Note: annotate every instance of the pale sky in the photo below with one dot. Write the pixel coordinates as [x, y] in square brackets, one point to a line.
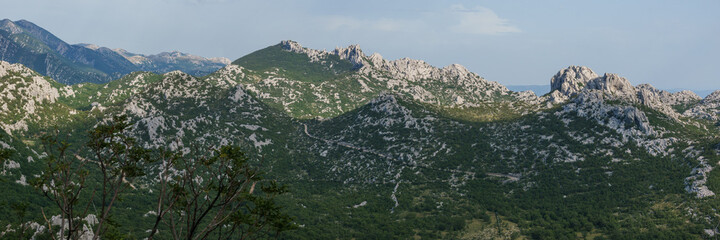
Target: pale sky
[670, 44]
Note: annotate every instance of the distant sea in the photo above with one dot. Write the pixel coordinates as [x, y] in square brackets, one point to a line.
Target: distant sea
[540, 90]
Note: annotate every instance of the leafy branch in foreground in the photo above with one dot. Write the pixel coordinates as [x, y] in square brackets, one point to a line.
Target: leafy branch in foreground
[63, 182]
[219, 195]
[119, 158]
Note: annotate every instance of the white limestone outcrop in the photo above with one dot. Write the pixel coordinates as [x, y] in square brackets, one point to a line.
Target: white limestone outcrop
[708, 108]
[569, 81]
[452, 85]
[23, 87]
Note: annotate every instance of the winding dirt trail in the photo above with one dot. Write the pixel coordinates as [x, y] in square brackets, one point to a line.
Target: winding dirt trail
[510, 178]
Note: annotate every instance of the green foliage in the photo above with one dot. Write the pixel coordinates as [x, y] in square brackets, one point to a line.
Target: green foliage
[63, 182]
[295, 66]
[220, 196]
[226, 195]
[5, 155]
[108, 94]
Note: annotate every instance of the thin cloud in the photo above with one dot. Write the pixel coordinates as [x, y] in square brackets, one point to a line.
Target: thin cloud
[455, 19]
[480, 20]
[383, 24]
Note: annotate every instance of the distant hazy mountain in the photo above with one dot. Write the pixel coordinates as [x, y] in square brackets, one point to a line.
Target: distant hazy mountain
[26, 43]
[701, 93]
[537, 89]
[171, 61]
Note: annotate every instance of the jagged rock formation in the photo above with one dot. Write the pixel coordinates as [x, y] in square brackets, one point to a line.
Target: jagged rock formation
[613, 102]
[651, 96]
[357, 78]
[614, 85]
[696, 182]
[707, 108]
[569, 81]
[573, 81]
[590, 95]
[625, 119]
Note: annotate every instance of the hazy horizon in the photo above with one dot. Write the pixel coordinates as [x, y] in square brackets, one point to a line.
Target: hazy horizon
[667, 44]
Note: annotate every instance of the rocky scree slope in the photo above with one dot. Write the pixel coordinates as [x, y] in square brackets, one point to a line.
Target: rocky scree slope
[653, 119]
[707, 108]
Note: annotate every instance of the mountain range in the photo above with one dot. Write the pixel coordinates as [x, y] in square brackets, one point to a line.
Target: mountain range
[543, 89]
[26, 43]
[383, 149]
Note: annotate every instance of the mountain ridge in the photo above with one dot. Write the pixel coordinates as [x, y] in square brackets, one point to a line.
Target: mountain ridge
[375, 148]
[27, 43]
[452, 85]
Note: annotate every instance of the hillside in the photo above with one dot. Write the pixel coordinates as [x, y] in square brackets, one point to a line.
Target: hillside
[380, 149]
[309, 83]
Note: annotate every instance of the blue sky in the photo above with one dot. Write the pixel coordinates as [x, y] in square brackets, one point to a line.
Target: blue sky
[670, 44]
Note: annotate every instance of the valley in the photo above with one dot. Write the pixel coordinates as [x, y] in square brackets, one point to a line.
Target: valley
[372, 148]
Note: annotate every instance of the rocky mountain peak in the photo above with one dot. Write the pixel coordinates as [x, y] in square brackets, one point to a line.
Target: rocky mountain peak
[88, 46]
[707, 108]
[571, 80]
[613, 84]
[314, 55]
[686, 96]
[136, 59]
[404, 68]
[456, 69]
[713, 97]
[291, 46]
[9, 26]
[593, 92]
[375, 58]
[353, 53]
[647, 93]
